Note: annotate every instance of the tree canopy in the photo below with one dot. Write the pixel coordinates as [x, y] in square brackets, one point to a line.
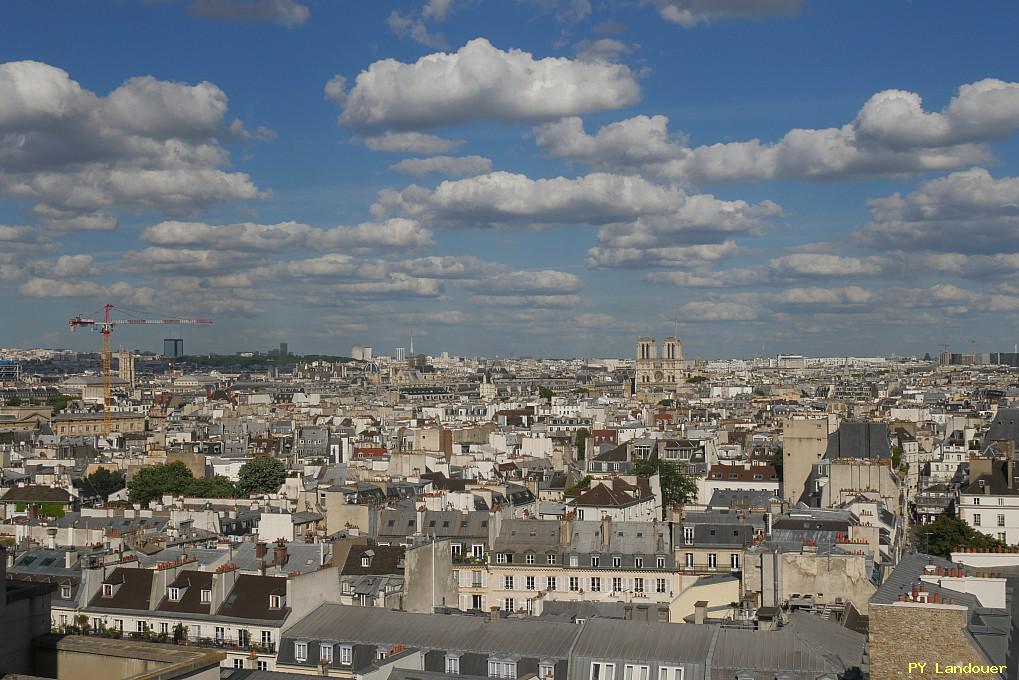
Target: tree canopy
[677, 486]
[106, 482]
[261, 475]
[581, 441]
[175, 478]
[946, 534]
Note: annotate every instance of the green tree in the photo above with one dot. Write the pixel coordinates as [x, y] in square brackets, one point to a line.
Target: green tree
[106, 482]
[581, 484]
[677, 486]
[261, 475]
[14, 401]
[581, 441]
[896, 457]
[152, 482]
[212, 487]
[545, 393]
[946, 534]
[777, 460]
[697, 379]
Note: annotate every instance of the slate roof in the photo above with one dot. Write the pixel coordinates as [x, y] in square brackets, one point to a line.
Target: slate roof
[1005, 426]
[36, 493]
[859, 440]
[193, 582]
[132, 588]
[249, 598]
[373, 625]
[384, 559]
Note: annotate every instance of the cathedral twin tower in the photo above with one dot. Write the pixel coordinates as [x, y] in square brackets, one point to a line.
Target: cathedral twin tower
[656, 373]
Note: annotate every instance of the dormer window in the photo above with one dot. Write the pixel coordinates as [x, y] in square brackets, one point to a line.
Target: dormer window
[366, 561]
[275, 602]
[206, 596]
[174, 594]
[107, 590]
[65, 592]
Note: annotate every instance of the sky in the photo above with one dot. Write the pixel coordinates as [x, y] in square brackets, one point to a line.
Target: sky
[513, 177]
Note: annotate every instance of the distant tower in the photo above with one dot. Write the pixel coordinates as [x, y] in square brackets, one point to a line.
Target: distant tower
[659, 373]
[125, 367]
[173, 348]
[401, 354]
[284, 350]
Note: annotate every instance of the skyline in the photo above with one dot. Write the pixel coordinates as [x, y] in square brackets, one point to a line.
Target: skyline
[539, 178]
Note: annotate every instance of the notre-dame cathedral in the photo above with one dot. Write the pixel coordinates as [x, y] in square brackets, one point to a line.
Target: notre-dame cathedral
[656, 373]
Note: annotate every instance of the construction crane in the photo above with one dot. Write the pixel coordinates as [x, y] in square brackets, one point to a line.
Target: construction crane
[105, 328]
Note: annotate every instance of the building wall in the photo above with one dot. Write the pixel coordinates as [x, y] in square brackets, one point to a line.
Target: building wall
[936, 634]
[998, 515]
[429, 580]
[716, 593]
[804, 442]
[776, 576]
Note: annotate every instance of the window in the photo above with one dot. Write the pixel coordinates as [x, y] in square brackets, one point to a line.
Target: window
[380, 654]
[617, 584]
[502, 669]
[1001, 536]
[712, 561]
[529, 559]
[1001, 501]
[475, 579]
[238, 663]
[688, 560]
[206, 596]
[659, 585]
[500, 558]
[976, 501]
[346, 654]
[550, 583]
[174, 594]
[196, 631]
[107, 590]
[452, 664]
[660, 563]
[266, 637]
[632, 672]
[164, 627]
[1001, 520]
[670, 673]
[97, 623]
[638, 585]
[734, 561]
[688, 535]
[140, 626]
[63, 619]
[546, 671]
[65, 592]
[301, 651]
[457, 549]
[327, 653]
[976, 520]
[220, 633]
[574, 583]
[595, 584]
[478, 550]
[366, 561]
[603, 671]
[551, 558]
[617, 562]
[507, 582]
[262, 665]
[529, 582]
[573, 560]
[508, 605]
[595, 560]
[638, 563]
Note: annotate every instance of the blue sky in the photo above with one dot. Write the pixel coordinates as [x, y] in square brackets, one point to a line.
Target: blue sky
[500, 176]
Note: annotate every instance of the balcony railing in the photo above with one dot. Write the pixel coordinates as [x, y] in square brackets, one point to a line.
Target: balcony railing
[225, 644]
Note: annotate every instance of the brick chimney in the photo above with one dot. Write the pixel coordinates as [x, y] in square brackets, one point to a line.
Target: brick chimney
[280, 553]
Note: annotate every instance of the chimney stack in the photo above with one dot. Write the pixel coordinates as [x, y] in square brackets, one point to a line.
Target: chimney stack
[51, 538]
[281, 553]
[700, 609]
[260, 549]
[606, 532]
